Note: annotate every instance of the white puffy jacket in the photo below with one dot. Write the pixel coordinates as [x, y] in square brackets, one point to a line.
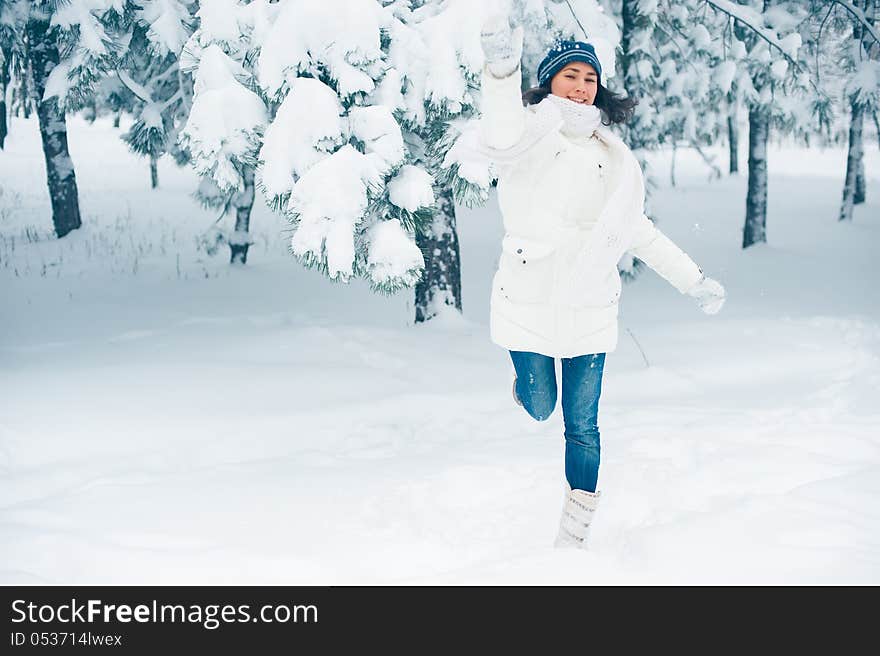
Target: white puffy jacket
[571, 209]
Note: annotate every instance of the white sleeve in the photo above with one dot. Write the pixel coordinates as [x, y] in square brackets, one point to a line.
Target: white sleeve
[661, 254]
[503, 115]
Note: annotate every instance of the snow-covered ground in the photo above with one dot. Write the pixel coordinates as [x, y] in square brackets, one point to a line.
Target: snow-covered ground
[167, 418]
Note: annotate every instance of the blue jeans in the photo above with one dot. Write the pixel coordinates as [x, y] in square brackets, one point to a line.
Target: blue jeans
[581, 387]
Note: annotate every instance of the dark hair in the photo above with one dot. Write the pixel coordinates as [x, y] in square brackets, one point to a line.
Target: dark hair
[616, 108]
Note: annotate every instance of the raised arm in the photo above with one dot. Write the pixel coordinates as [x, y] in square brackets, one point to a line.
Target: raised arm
[503, 115]
[661, 254]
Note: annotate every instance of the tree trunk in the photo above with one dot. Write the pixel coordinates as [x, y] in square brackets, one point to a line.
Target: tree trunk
[866, 46]
[5, 68]
[854, 156]
[733, 140]
[18, 95]
[154, 173]
[755, 229]
[633, 22]
[630, 21]
[877, 127]
[859, 196]
[29, 96]
[243, 202]
[441, 283]
[43, 54]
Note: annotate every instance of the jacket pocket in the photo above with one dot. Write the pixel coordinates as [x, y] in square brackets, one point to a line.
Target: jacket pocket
[595, 291]
[526, 270]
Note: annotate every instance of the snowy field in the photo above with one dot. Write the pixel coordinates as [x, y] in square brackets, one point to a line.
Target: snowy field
[167, 418]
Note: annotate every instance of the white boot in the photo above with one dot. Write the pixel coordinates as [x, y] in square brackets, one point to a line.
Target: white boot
[577, 515]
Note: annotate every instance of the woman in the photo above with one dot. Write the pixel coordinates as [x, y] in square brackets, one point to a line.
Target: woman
[572, 199]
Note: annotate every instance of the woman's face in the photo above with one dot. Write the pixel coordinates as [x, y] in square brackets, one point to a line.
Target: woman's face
[576, 81]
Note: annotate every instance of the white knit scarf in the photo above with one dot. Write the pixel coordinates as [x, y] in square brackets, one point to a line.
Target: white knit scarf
[580, 120]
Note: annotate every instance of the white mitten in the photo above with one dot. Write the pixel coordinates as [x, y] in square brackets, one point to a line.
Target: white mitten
[502, 47]
[709, 293]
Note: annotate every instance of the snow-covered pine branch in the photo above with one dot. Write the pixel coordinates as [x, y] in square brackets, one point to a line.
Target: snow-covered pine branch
[228, 112]
[863, 20]
[222, 132]
[333, 145]
[90, 41]
[753, 20]
[149, 68]
[168, 24]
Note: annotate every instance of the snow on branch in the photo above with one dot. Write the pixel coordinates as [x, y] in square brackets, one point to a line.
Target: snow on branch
[168, 24]
[306, 128]
[860, 16]
[137, 89]
[224, 124]
[751, 19]
[329, 201]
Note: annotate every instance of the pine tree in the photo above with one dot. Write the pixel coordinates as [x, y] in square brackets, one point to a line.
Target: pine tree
[337, 82]
[227, 114]
[674, 61]
[42, 50]
[862, 95]
[637, 29]
[19, 91]
[5, 77]
[26, 30]
[333, 157]
[431, 51]
[63, 49]
[773, 81]
[148, 83]
[733, 131]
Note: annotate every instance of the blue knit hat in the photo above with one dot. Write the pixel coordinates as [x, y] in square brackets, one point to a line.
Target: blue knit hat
[565, 52]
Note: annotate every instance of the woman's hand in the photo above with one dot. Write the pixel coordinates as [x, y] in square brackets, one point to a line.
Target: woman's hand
[709, 293]
[502, 47]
